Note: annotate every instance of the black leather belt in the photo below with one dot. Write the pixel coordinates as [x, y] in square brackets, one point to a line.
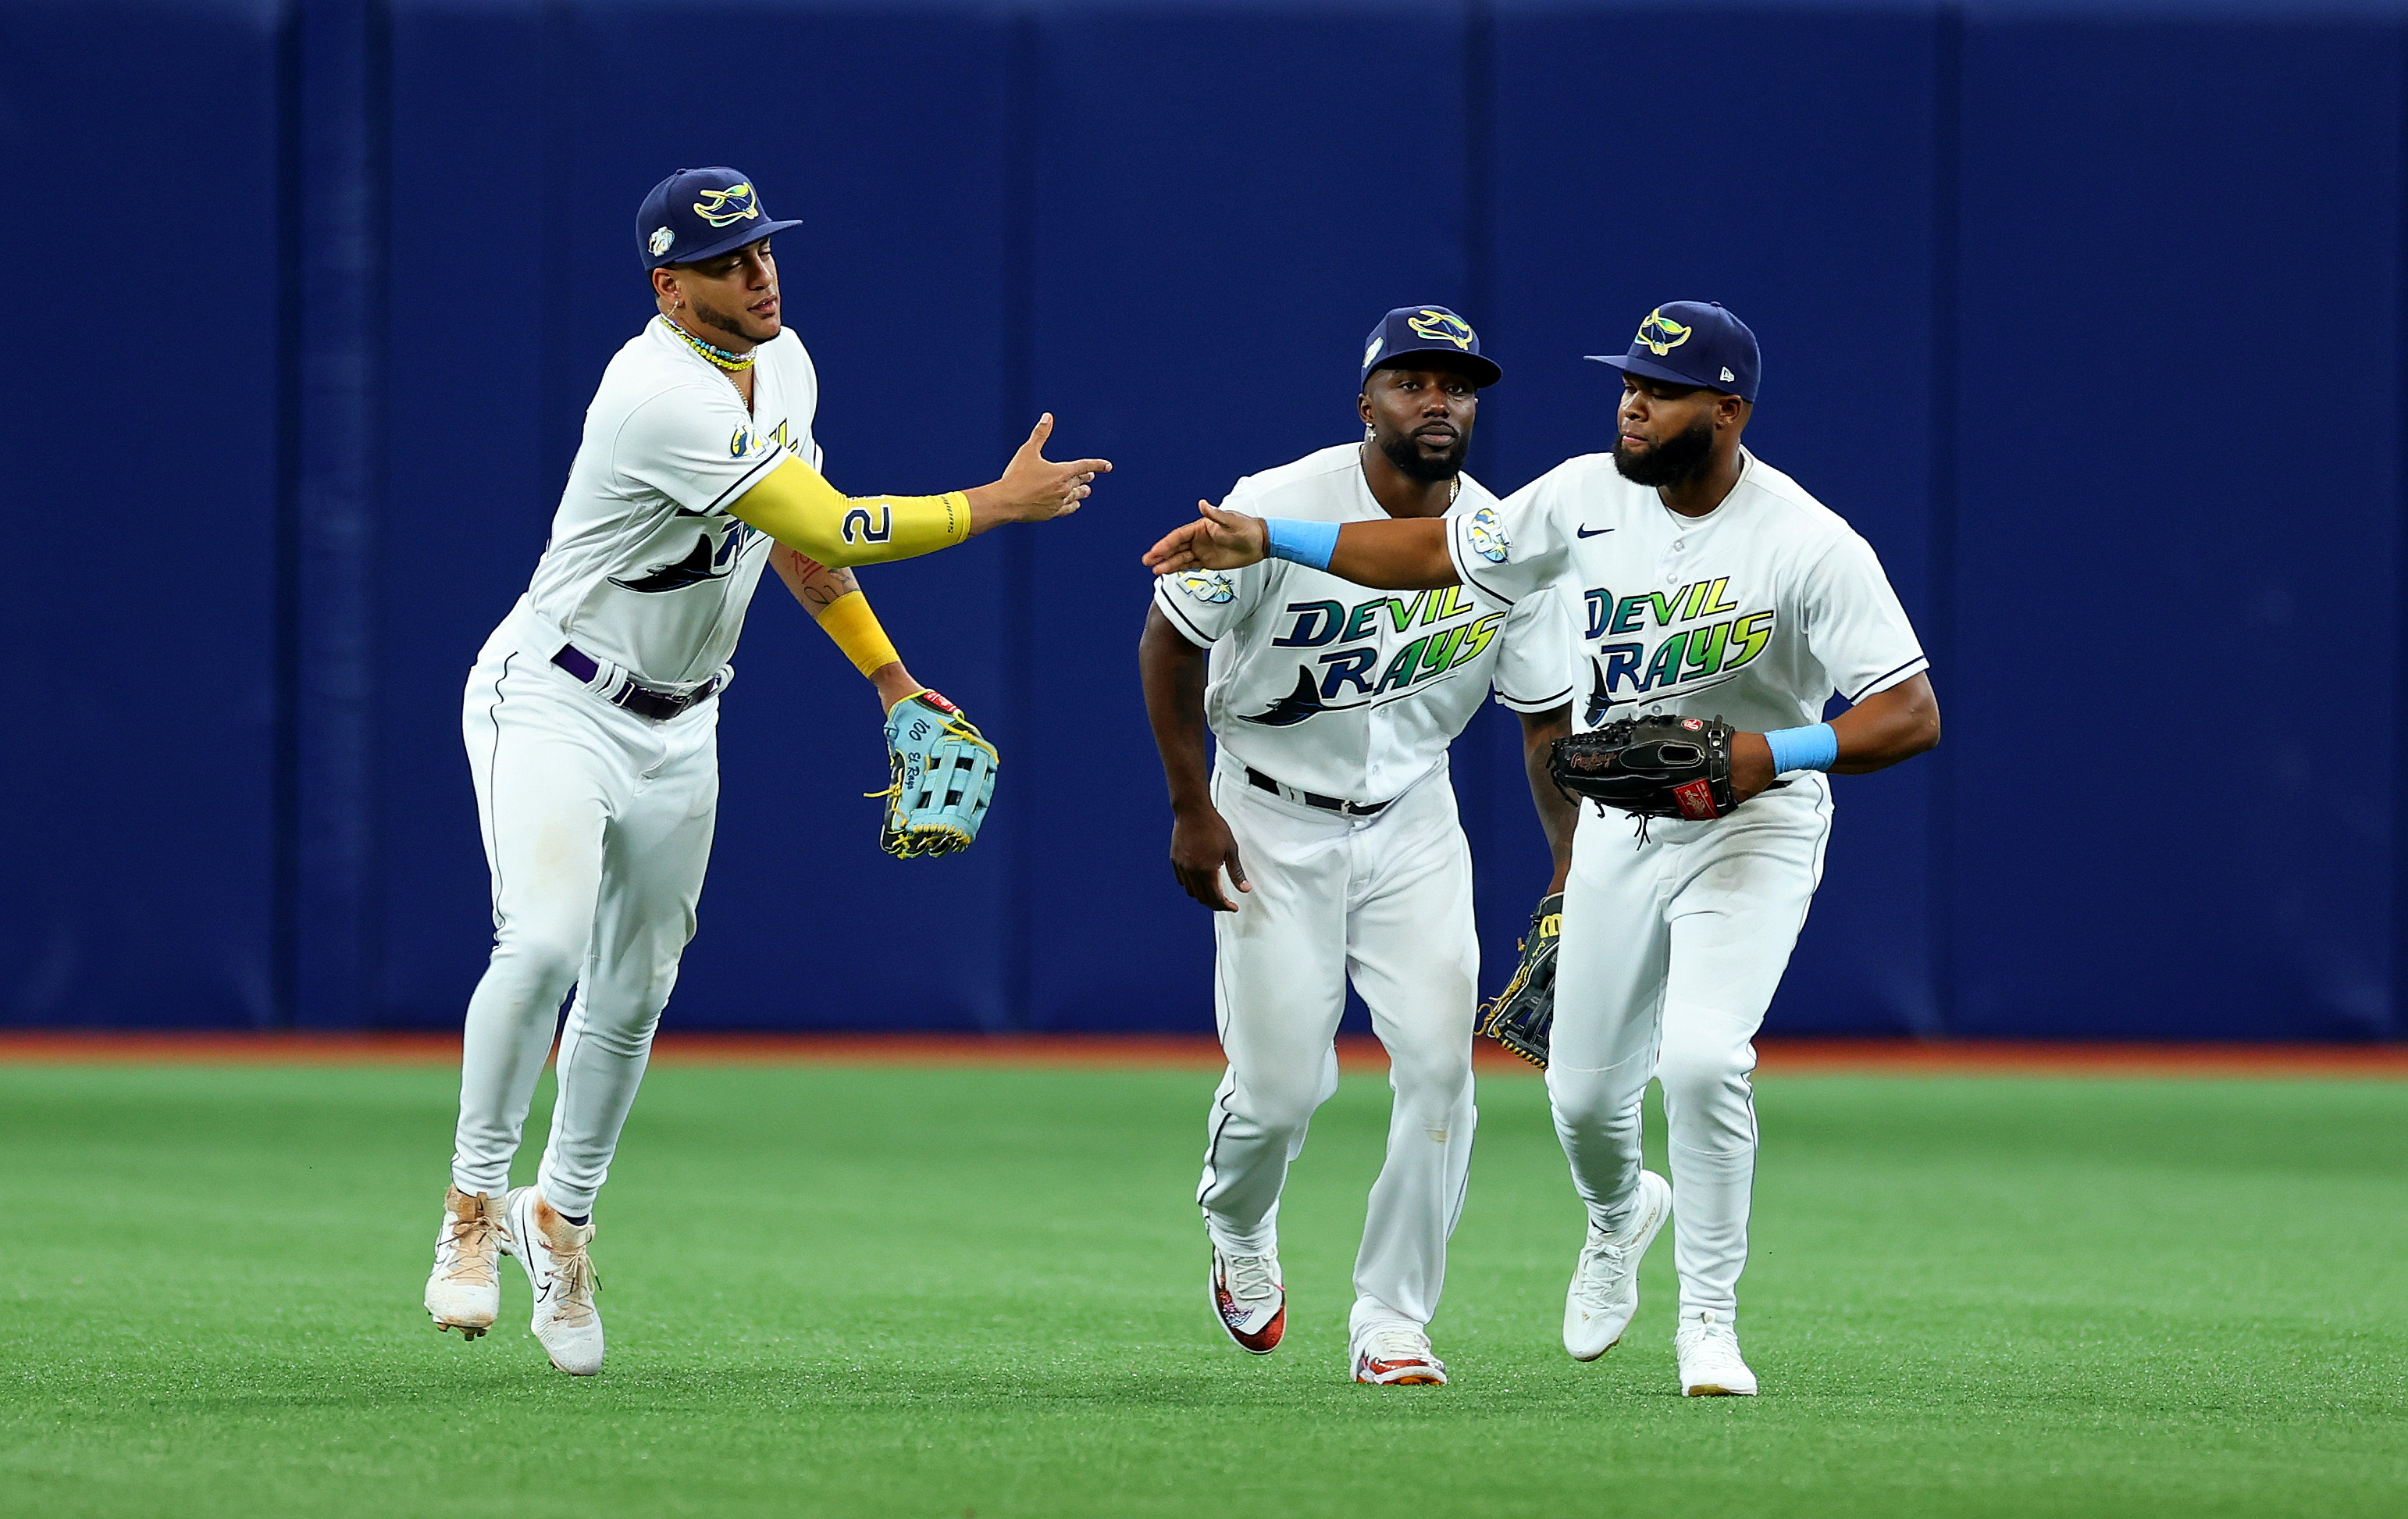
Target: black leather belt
[643, 700]
[1328, 804]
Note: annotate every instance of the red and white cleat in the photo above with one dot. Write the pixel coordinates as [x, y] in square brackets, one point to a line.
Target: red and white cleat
[1249, 1299]
[1397, 1355]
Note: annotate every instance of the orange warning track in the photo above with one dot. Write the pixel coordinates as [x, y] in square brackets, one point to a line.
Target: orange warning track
[1971, 1058]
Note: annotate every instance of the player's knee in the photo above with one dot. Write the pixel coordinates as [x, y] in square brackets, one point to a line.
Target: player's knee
[545, 958]
[628, 1039]
[1697, 1069]
[1706, 1095]
[1583, 1098]
[1280, 1108]
[1432, 1078]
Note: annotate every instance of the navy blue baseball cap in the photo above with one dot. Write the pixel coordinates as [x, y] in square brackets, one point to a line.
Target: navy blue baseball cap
[1692, 343]
[1427, 329]
[696, 214]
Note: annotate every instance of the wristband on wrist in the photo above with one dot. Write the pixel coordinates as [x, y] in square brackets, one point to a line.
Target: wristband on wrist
[854, 628]
[1815, 748]
[1305, 542]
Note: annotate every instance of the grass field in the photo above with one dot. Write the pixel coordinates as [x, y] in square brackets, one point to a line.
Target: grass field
[876, 1291]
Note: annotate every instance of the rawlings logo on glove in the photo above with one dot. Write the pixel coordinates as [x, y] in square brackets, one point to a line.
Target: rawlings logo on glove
[1650, 767]
[944, 778]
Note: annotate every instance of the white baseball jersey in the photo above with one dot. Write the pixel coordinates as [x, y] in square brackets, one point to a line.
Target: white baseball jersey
[645, 569]
[1758, 612]
[1346, 692]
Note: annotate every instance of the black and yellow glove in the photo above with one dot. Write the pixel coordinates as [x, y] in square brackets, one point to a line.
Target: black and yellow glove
[1523, 1014]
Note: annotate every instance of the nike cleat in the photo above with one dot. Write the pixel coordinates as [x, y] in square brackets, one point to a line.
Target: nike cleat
[1394, 1355]
[1249, 1299]
[552, 1250]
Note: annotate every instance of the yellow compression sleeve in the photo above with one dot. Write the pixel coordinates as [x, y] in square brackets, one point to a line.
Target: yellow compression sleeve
[803, 511]
[854, 628]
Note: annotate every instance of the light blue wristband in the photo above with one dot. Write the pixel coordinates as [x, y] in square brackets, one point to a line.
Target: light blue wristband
[1815, 748]
[1305, 542]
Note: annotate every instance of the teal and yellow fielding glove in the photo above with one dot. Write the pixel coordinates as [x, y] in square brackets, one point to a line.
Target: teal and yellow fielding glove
[1524, 1014]
[943, 772]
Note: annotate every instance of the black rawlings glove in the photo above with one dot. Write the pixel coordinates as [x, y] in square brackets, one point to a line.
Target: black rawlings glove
[1523, 1013]
[1650, 767]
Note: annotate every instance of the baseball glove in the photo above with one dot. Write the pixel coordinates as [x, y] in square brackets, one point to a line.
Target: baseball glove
[1650, 767]
[1525, 1011]
[944, 778]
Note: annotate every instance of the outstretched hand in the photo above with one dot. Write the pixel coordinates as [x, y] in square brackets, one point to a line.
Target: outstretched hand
[1216, 540]
[1034, 489]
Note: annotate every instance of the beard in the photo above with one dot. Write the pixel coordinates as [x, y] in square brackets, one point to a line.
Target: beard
[1677, 460]
[1430, 470]
[731, 323]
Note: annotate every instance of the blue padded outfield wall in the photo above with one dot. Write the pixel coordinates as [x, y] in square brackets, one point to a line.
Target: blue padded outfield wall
[2088, 315]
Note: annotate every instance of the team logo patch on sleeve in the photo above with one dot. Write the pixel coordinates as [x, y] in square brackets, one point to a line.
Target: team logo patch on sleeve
[1488, 538]
[1209, 587]
[743, 443]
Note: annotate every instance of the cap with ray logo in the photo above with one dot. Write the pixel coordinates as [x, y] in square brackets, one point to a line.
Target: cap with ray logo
[696, 214]
[1692, 343]
[1411, 330]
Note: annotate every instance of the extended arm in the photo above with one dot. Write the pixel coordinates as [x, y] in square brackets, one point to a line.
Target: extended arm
[1174, 672]
[1406, 553]
[834, 599]
[1875, 734]
[803, 511]
[1558, 814]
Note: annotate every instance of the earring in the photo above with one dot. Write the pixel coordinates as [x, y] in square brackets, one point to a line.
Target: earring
[1370, 432]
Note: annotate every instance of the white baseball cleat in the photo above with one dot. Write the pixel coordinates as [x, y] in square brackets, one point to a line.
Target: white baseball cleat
[1249, 1299]
[1397, 1354]
[464, 1292]
[1708, 1346]
[1605, 1285]
[552, 1250]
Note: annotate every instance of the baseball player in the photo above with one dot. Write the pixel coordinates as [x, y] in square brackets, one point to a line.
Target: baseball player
[1330, 815]
[591, 719]
[1711, 584]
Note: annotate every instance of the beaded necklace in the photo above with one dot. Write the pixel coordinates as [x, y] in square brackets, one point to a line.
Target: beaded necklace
[720, 356]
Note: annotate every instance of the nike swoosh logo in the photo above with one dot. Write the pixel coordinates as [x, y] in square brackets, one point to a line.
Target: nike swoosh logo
[1592, 532]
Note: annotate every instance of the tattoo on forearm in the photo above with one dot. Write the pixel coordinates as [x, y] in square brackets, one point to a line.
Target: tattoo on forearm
[814, 584]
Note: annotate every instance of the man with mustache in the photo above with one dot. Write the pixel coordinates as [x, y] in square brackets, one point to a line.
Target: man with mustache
[1713, 585]
[591, 720]
[1331, 818]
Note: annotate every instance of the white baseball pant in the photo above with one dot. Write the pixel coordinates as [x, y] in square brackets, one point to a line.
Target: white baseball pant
[597, 826]
[1671, 949]
[1387, 900]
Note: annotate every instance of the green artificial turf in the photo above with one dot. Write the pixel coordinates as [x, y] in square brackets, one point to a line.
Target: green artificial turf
[945, 1292]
